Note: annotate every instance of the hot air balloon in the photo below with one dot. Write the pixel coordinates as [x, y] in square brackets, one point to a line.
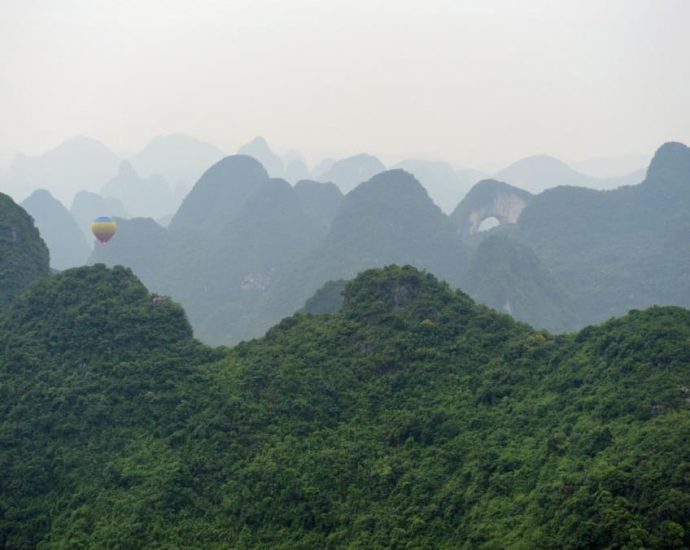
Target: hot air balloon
[103, 228]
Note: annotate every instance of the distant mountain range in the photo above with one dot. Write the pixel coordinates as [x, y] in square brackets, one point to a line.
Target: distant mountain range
[179, 159]
[612, 167]
[538, 173]
[567, 257]
[607, 251]
[80, 163]
[141, 197]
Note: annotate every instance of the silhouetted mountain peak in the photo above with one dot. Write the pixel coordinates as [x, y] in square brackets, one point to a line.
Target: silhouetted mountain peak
[23, 254]
[74, 295]
[671, 161]
[220, 192]
[59, 230]
[377, 292]
[258, 148]
[349, 172]
[391, 184]
[487, 199]
[40, 195]
[259, 143]
[540, 172]
[126, 170]
[81, 143]
[230, 171]
[78, 163]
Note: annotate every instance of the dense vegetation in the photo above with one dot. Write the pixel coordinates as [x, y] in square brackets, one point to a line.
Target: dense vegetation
[411, 418]
[23, 255]
[508, 276]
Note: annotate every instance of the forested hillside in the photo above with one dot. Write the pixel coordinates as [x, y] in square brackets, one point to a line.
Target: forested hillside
[412, 417]
[23, 254]
[598, 253]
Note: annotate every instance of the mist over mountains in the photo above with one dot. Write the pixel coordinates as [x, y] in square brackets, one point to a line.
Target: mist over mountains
[566, 258]
[344, 275]
[85, 164]
[370, 405]
[245, 249]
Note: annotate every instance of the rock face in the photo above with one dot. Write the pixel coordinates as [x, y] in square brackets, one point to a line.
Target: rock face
[59, 230]
[489, 198]
[23, 254]
[348, 173]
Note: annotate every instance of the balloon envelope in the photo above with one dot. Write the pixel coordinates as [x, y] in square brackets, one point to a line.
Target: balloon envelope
[103, 228]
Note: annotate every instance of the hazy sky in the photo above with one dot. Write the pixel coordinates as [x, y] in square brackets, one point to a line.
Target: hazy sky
[478, 83]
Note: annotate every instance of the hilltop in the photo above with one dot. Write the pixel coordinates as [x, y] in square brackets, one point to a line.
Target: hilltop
[411, 417]
[24, 256]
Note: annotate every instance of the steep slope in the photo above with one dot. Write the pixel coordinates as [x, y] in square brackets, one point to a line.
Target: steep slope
[489, 198]
[101, 361]
[78, 163]
[328, 299]
[617, 250]
[141, 197]
[179, 159]
[218, 195]
[263, 241]
[59, 230]
[508, 276]
[445, 186]
[319, 200]
[388, 219]
[296, 170]
[143, 246]
[349, 172]
[235, 233]
[258, 149]
[23, 254]
[411, 418]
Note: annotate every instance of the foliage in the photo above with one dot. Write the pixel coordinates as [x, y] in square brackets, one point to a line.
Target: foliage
[508, 276]
[23, 255]
[328, 299]
[411, 418]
